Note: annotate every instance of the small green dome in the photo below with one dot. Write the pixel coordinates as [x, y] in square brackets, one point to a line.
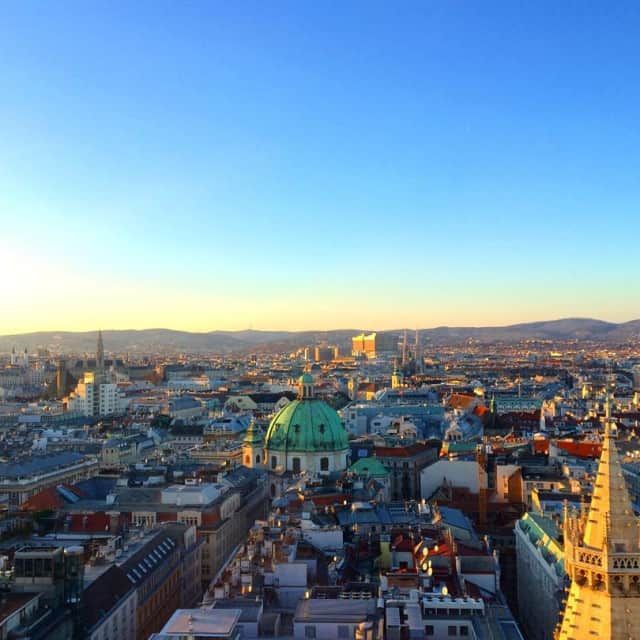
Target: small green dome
[309, 426]
[253, 435]
[371, 467]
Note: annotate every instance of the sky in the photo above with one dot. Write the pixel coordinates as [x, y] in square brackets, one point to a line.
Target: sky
[310, 165]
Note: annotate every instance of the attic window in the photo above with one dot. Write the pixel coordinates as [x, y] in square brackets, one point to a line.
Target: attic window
[296, 428]
[321, 427]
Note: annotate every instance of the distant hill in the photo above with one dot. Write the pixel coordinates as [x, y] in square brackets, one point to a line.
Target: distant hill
[250, 340]
[565, 329]
[149, 340]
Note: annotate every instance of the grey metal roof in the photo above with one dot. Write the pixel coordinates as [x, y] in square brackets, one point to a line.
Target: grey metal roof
[39, 464]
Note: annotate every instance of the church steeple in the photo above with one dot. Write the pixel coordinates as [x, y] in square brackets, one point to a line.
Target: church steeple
[252, 446]
[602, 556]
[100, 353]
[610, 500]
[397, 379]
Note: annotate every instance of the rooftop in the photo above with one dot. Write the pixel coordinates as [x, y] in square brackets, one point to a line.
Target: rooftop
[39, 464]
[204, 623]
[334, 611]
[12, 602]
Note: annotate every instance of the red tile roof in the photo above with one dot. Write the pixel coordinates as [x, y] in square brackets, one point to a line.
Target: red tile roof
[581, 449]
[328, 500]
[92, 522]
[461, 400]
[401, 452]
[481, 410]
[49, 498]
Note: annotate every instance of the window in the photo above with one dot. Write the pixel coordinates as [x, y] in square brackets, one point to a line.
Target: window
[428, 630]
[274, 462]
[452, 630]
[258, 459]
[324, 464]
[464, 631]
[296, 468]
[309, 632]
[343, 631]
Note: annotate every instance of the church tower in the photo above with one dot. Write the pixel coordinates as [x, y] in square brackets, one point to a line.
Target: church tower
[61, 378]
[252, 445]
[397, 379]
[100, 354]
[418, 353]
[602, 557]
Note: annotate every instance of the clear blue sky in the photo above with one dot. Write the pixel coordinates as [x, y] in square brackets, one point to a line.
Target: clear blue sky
[206, 165]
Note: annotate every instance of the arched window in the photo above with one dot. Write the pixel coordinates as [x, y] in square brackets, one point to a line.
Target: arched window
[296, 465]
[273, 490]
[257, 458]
[274, 462]
[324, 464]
[247, 460]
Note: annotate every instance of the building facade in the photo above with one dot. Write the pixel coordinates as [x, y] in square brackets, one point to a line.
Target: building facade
[541, 576]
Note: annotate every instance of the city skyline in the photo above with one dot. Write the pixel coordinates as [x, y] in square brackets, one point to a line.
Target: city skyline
[306, 168]
[337, 329]
[317, 320]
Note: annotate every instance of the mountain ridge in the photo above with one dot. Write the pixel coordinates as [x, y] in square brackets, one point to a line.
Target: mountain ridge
[229, 341]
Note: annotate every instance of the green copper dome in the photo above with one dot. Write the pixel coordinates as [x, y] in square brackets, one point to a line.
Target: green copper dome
[253, 435]
[308, 425]
[369, 467]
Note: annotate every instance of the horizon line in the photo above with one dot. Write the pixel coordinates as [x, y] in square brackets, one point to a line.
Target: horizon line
[415, 328]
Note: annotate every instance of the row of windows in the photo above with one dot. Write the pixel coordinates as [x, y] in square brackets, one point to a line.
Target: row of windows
[295, 462]
[445, 611]
[120, 626]
[453, 631]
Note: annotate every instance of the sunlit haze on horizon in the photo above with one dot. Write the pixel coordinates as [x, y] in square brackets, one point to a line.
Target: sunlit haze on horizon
[287, 165]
